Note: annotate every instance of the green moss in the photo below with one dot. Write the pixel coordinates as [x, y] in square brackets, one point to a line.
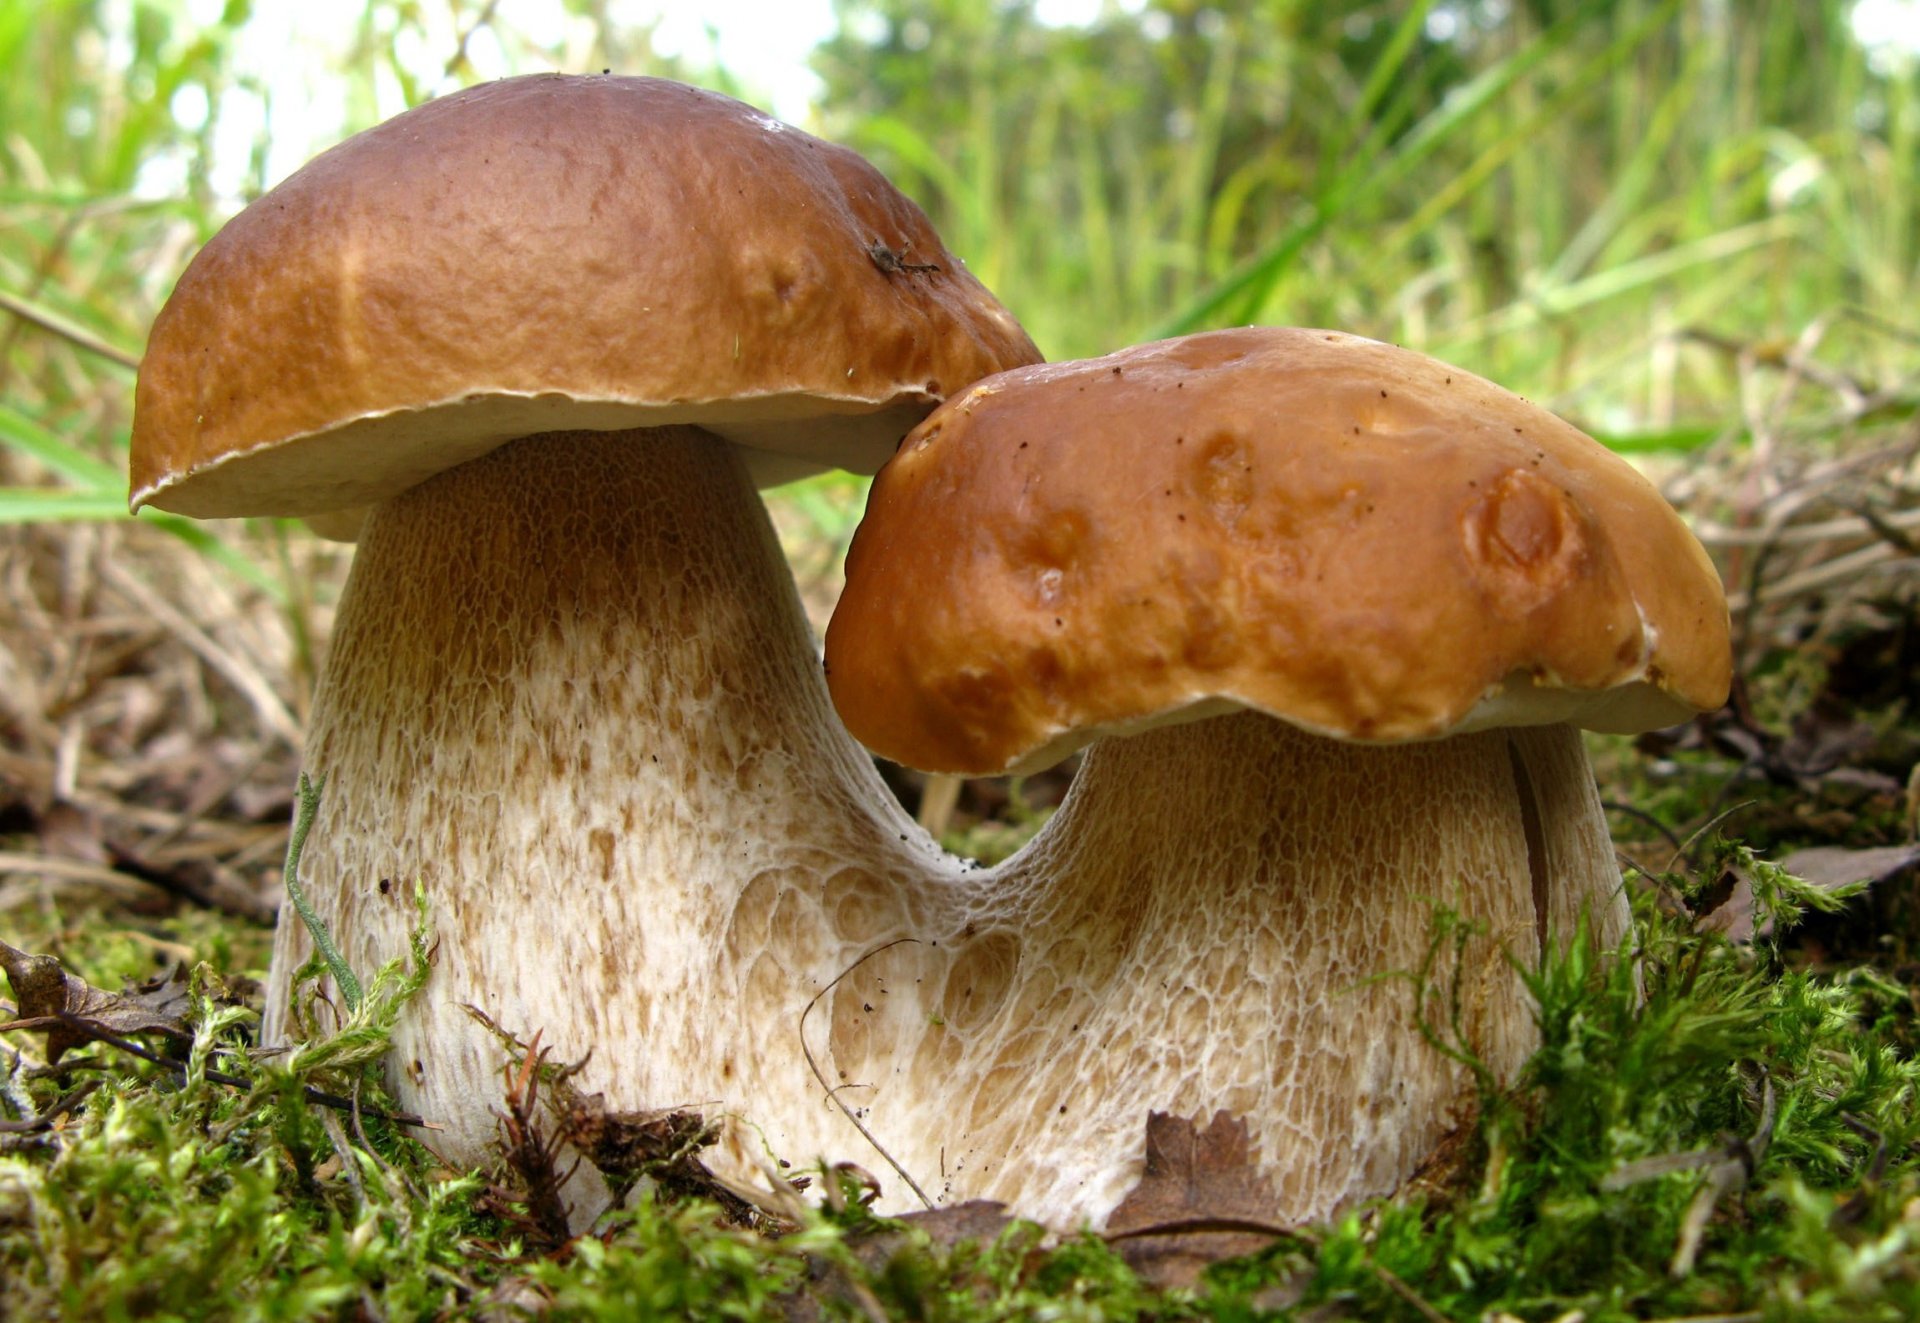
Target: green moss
[172, 1195]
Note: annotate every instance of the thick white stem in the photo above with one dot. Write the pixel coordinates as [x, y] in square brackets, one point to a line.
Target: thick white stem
[1227, 914]
[572, 695]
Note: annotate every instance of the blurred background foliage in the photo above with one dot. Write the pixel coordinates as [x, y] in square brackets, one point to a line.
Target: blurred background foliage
[1602, 203]
[1544, 191]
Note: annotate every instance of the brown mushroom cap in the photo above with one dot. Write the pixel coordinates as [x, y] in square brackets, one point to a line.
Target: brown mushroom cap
[1355, 538]
[552, 253]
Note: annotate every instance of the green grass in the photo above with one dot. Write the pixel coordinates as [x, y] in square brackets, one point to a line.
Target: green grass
[1554, 201]
[1545, 202]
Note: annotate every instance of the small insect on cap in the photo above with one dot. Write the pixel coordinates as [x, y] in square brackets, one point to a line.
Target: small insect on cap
[552, 253]
[1351, 537]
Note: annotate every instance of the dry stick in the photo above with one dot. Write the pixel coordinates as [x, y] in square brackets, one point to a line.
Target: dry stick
[868, 1302]
[1777, 532]
[1685, 851]
[1193, 1226]
[1730, 1174]
[1396, 1284]
[1875, 555]
[313, 1095]
[1729, 1166]
[1617, 806]
[1829, 530]
[66, 330]
[253, 687]
[1745, 617]
[60, 1107]
[1661, 1164]
[1877, 1167]
[121, 884]
[200, 884]
[343, 1153]
[1886, 527]
[834, 1093]
[204, 802]
[778, 1202]
[387, 1169]
[1855, 1206]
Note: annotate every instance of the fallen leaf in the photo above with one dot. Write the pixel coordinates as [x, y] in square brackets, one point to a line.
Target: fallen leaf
[1823, 738]
[1197, 1184]
[976, 1220]
[1728, 907]
[72, 1011]
[830, 1292]
[1833, 866]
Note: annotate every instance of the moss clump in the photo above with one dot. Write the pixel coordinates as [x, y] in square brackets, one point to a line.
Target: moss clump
[1707, 1129]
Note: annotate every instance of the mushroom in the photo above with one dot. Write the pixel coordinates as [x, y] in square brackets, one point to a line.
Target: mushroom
[549, 333]
[1329, 614]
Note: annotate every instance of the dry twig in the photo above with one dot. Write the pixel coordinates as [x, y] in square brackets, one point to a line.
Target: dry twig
[834, 1093]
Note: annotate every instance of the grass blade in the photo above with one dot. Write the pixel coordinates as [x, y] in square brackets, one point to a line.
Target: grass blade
[21, 433]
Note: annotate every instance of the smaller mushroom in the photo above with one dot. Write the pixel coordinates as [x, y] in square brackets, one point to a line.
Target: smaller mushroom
[1329, 614]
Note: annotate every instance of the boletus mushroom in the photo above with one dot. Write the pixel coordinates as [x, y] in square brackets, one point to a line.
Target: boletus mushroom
[1329, 614]
[549, 333]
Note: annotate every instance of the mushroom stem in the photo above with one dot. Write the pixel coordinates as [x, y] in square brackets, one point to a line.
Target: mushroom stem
[1223, 915]
[571, 693]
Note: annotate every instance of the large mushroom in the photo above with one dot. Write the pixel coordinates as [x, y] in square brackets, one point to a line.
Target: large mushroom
[550, 332]
[1329, 613]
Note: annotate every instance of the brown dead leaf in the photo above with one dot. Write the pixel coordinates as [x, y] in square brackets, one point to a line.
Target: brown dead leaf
[71, 1011]
[1833, 866]
[662, 1145]
[1204, 1187]
[1823, 738]
[1728, 907]
[829, 1292]
[978, 1220]
[624, 1146]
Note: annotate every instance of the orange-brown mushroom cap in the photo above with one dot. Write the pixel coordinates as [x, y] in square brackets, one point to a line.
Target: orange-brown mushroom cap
[1352, 537]
[552, 253]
